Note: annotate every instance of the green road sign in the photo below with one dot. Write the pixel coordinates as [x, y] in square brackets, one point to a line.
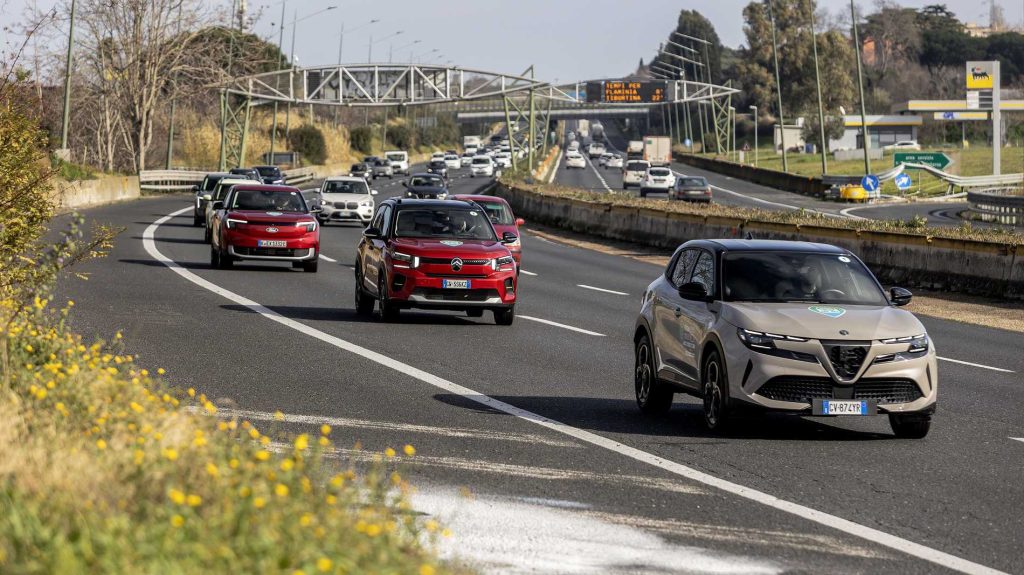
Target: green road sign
[934, 159]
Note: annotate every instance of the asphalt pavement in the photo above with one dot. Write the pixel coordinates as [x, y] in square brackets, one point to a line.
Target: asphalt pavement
[530, 445]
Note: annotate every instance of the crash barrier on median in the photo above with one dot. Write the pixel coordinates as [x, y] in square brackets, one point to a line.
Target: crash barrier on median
[805, 185]
[913, 260]
[102, 190]
[183, 180]
[998, 205]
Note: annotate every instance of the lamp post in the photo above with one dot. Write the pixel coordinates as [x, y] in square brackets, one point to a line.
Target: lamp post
[341, 48]
[753, 112]
[821, 106]
[413, 43]
[66, 123]
[420, 57]
[294, 59]
[280, 44]
[860, 85]
[778, 86]
[732, 116]
[369, 54]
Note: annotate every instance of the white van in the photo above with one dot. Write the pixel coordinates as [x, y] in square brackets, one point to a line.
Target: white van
[399, 161]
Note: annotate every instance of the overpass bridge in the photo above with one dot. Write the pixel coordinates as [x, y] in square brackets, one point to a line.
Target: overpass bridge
[472, 95]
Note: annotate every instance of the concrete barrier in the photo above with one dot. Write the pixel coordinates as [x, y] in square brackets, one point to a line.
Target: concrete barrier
[103, 190]
[976, 267]
[804, 185]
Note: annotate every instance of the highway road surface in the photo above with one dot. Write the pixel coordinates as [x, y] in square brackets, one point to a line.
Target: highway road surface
[730, 191]
[530, 446]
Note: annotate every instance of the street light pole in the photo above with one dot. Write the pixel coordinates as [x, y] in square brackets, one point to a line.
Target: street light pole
[821, 106]
[280, 44]
[860, 85]
[778, 87]
[67, 84]
[753, 111]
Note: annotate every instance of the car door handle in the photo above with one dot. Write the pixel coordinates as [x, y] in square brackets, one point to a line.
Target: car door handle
[679, 311]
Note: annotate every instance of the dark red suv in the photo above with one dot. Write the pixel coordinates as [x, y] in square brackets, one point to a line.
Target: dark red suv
[261, 222]
[435, 254]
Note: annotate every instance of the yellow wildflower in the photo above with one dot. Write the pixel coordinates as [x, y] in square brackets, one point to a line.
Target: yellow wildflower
[177, 521]
[426, 569]
[176, 496]
[160, 371]
[171, 454]
[323, 441]
[211, 469]
[325, 429]
[194, 500]
[259, 502]
[191, 391]
[409, 450]
[281, 490]
[278, 416]
[302, 442]
[373, 530]
[100, 444]
[210, 408]
[306, 520]
[253, 433]
[263, 455]
[324, 564]
[389, 452]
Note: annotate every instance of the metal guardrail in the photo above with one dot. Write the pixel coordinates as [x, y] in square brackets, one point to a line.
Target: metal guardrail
[1001, 205]
[183, 180]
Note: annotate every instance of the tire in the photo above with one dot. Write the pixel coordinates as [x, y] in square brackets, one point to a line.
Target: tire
[715, 392]
[910, 425]
[311, 265]
[196, 221]
[652, 397]
[214, 258]
[207, 236]
[643, 193]
[364, 303]
[475, 312]
[296, 265]
[386, 311]
[505, 316]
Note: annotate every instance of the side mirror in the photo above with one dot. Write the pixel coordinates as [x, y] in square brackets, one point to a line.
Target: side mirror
[207, 197]
[195, 188]
[520, 222]
[509, 238]
[374, 192]
[900, 296]
[218, 205]
[371, 233]
[693, 291]
[316, 209]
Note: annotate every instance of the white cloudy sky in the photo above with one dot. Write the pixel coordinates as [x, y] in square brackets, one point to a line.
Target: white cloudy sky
[566, 40]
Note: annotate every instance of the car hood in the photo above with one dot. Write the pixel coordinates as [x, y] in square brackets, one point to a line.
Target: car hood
[823, 321]
[336, 197]
[270, 216]
[436, 247]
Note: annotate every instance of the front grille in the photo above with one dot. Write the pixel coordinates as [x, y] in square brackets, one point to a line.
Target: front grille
[448, 261]
[846, 359]
[273, 252]
[456, 295]
[804, 389]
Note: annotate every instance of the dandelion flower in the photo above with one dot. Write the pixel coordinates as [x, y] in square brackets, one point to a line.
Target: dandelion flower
[100, 444]
[160, 371]
[373, 530]
[171, 454]
[409, 450]
[287, 465]
[427, 569]
[191, 390]
[233, 463]
[325, 429]
[324, 564]
[176, 496]
[306, 520]
[212, 469]
[302, 442]
[259, 502]
[278, 416]
[210, 408]
[253, 433]
[323, 441]
[262, 455]
[177, 521]
[389, 452]
[194, 500]
[281, 490]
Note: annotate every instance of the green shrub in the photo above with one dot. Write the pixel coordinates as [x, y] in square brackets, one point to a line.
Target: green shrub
[309, 141]
[402, 137]
[361, 139]
[72, 172]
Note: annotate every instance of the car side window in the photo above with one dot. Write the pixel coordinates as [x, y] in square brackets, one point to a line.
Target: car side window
[704, 272]
[378, 218]
[684, 264]
[386, 221]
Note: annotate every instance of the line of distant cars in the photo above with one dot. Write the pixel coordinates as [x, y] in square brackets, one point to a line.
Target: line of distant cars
[641, 174]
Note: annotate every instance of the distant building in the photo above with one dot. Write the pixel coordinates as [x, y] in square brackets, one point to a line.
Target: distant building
[882, 131]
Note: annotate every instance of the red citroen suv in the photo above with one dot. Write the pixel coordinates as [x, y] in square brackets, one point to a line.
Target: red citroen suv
[500, 213]
[261, 222]
[435, 254]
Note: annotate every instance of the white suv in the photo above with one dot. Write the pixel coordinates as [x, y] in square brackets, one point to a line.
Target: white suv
[481, 166]
[634, 173]
[657, 180]
[399, 161]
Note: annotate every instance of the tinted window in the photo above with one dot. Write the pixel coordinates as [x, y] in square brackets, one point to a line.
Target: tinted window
[658, 172]
[693, 182]
[396, 157]
[378, 218]
[498, 213]
[210, 182]
[637, 166]
[345, 187]
[481, 161]
[704, 272]
[795, 276]
[269, 171]
[683, 266]
[444, 223]
[431, 181]
[263, 200]
[386, 220]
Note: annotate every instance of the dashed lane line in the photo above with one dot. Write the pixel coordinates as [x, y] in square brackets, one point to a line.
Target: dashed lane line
[527, 273]
[877, 536]
[327, 259]
[561, 325]
[982, 366]
[611, 291]
[1020, 439]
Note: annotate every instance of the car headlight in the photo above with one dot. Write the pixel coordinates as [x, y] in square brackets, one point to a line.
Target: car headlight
[412, 262]
[498, 263]
[232, 223]
[366, 203]
[764, 342]
[915, 343]
[310, 226]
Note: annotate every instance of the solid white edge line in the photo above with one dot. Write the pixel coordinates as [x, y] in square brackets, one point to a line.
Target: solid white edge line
[554, 172]
[561, 325]
[327, 259]
[584, 286]
[961, 362]
[874, 535]
[1021, 439]
[522, 271]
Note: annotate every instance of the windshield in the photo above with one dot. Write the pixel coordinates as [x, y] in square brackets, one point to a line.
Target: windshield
[396, 157]
[345, 187]
[443, 223]
[636, 167]
[210, 182]
[268, 201]
[693, 182]
[419, 181]
[358, 168]
[451, 157]
[498, 213]
[481, 161]
[777, 277]
[269, 171]
[436, 164]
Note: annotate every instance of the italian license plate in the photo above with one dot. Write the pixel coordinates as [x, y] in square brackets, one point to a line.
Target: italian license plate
[345, 213]
[272, 243]
[455, 284]
[843, 407]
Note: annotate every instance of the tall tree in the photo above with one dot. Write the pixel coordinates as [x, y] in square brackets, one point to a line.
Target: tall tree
[894, 33]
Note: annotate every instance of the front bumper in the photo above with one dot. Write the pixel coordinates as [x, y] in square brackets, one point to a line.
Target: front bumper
[245, 246]
[791, 385]
[482, 171]
[424, 288]
[335, 214]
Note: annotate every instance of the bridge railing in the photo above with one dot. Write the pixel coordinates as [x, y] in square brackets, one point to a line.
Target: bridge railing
[183, 180]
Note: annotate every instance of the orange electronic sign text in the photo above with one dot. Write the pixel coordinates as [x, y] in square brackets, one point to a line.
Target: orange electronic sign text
[623, 92]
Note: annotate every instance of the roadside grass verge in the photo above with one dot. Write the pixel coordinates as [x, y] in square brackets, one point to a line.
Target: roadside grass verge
[916, 226]
[104, 469]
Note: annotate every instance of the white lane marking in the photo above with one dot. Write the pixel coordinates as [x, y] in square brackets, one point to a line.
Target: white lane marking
[961, 362]
[848, 212]
[554, 172]
[327, 259]
[832, 521]
[561, 325]
[527, 273]
[340, 422]
[584, 286]
[599, 176]
[1021, 439]
[766, 202]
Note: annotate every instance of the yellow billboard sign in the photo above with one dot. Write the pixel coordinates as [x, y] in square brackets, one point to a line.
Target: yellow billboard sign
[980, 75]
